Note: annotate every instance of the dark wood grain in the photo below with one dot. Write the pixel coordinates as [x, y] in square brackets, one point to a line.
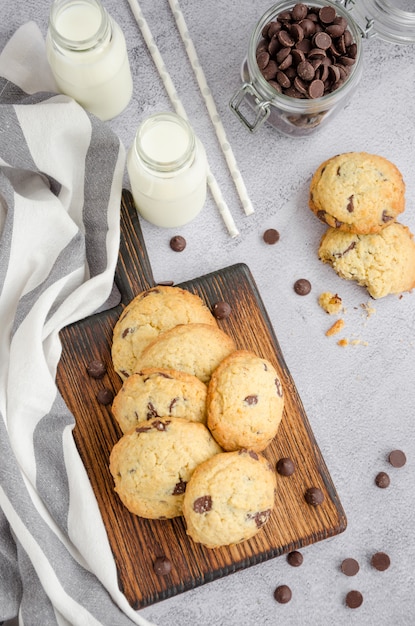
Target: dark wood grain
[136, 542]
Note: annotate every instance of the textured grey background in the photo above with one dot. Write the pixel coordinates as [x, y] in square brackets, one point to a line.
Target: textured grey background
[360, 400]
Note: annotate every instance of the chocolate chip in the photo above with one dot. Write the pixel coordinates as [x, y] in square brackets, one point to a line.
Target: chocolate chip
[221, 310]
[271, 236]
[317, 34]
[314, 496]
[305, 70]
[285, 466]
[302, 287]
[299, 11]
[322, 40]
[96, 369]
[380, 561]
[397, 458]
[160, 425]
[178, 243]
[354, 599]
[260, 518]
[251, 400]
[295, 558]
[151, 411]
[282, 594]
[278, 387]
[349, 567]
[162, 566]
[386, 218]
[327, 14]
[202, 504]
[350, 205]
[179, 488]
[316, 89]
[105, 396]
[127, 331]
[382, 480]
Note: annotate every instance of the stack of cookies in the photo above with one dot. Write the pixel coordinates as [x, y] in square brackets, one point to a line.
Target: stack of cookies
[195, 413]
[360, 196]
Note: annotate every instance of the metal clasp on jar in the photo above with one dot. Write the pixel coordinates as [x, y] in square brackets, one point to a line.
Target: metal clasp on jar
[366, 29]
[260, 106]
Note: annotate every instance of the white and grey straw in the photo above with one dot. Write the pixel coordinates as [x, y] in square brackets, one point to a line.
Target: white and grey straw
[179, 108]
[211, 107]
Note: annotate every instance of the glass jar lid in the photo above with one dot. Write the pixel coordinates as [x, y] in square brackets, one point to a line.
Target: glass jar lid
[391, 20]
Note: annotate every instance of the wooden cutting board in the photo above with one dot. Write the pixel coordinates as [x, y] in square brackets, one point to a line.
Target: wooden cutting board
[136, 542]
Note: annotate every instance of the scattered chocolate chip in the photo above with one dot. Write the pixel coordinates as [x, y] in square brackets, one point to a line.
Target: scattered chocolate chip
[354, 599]
[162, 566]
[295, 558]
[105, 396]
[397, 458]
[202, 504]
[314, 496]
[302, 287]
[380, 561]
[350, 567]
[96, 369]
[382, 480]
[178, 243]
[221, 310]
[251, 400]
[285, 466]
[282, 594]
[271, 236]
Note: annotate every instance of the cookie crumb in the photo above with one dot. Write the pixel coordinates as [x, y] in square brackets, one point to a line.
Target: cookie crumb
[343, 342]
[369, 310]
[335, 328]
[330, 303]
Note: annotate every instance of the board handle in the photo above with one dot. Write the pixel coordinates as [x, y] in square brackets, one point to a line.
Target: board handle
[133, 273]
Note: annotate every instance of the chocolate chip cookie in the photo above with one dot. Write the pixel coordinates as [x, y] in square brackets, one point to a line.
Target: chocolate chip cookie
[158, 392]
[245, 402]
[149, 314]
[193, 348]
[229, 498]
[384, 262]
[357, 192]
[152, 464]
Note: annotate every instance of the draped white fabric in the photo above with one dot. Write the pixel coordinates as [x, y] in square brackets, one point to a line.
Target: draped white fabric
[61, 176]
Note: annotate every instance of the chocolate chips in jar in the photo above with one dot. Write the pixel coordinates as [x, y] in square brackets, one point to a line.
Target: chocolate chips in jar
[306, 52]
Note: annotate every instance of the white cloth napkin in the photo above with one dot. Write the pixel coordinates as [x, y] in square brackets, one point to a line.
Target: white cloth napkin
[61, 174]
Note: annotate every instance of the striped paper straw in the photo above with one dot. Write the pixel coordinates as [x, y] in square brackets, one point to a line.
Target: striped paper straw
[211, 107]
[179, 108]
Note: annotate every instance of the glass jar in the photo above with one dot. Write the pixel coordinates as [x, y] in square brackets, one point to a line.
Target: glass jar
[87, 54]
[302, 116]
[291, 116]
[167, 167]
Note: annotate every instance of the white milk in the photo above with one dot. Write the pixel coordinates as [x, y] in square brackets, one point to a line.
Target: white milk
[167, 168]
[88, 56]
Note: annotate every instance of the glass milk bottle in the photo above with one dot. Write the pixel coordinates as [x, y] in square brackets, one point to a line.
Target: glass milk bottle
[87, 54]
[167, 168]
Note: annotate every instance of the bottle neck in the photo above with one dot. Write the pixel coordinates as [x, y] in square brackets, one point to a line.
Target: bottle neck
[79, 25]
[165, 144]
